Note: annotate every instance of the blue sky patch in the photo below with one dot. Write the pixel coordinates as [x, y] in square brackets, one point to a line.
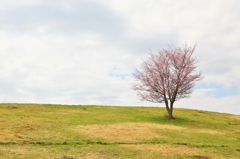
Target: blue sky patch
[218, 90]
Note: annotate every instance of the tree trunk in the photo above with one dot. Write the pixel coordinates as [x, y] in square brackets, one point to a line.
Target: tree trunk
[170, 114]
[170, 111]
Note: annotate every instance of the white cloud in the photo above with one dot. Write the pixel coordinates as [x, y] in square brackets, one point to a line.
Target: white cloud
[83, 52]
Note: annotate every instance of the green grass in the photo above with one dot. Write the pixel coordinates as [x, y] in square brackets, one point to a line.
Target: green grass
[61, 132]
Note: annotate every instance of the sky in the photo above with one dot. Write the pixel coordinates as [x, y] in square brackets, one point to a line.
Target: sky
[83, 52]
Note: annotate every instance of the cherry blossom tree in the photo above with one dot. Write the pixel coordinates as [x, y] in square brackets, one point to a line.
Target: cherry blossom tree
[167, 76]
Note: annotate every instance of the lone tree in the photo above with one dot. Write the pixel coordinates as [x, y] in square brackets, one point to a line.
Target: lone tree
[167, 76]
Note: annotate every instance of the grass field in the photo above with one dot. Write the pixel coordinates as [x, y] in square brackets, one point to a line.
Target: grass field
[72, 132]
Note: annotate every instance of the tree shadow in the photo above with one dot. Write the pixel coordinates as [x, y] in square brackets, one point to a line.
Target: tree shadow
[165, 120]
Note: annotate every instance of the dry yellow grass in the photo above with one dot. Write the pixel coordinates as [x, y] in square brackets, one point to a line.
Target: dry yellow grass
[68, 111]
[130, 132]
[92, 155]
[235, 117]
[5, 135]
[171, 151]
[24, 151]
[126, 132]
[208, 131]
[165, 150]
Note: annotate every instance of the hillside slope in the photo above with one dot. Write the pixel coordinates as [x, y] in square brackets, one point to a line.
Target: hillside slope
[64, 132]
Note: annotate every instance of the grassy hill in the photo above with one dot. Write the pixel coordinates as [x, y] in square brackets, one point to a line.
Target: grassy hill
[71, 132]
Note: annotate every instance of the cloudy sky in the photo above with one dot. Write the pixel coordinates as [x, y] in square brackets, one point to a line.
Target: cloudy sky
[84, 51]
